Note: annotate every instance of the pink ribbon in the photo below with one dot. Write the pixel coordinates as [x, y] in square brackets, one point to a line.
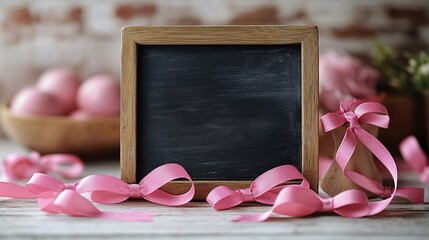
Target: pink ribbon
[413, 194]
[354, 113]
[108, 189]
[71, 203]
[263, 189]
[19, 166]
[298, 201]
[55, 196]
[415, 157]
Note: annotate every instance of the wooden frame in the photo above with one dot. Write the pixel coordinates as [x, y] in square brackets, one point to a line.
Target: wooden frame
[306, 36]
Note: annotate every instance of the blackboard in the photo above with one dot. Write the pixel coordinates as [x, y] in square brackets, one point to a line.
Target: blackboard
[223, 112]
[226, 102]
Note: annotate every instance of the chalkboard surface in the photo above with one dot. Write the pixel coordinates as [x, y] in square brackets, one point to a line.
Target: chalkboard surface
[224, 112]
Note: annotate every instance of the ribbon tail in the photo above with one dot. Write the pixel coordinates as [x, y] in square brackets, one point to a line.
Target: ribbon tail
[413, 194]
[346, 149]
[15, 191]
[128, 216]
[324, 164]
[71, 203]
[258, 217]
[378, 149]
[413, 154]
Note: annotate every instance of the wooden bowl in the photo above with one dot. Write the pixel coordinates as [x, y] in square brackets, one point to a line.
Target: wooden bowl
[51, 134]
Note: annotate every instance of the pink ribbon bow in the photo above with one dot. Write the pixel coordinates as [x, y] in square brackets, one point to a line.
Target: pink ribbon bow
[108, 189]
[298, 201]
[263, 189]
[55, 196]
[19, 166]
[415, 157]
[355, 113]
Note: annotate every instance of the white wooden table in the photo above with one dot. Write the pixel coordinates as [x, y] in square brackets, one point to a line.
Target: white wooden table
[22, 219]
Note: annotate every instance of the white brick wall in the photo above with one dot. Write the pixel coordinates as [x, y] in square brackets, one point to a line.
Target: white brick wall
[36, 35]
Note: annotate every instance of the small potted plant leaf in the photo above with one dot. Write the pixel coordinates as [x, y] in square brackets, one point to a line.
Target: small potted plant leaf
[405, 79]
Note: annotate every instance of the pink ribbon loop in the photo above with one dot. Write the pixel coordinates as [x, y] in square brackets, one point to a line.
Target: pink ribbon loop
[415, 157]
[263, 189]
[19, 166]
[107, 189]
[298, 201]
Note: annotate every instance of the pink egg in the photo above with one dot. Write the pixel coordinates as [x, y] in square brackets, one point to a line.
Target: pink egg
[32, 101]
[99, 96]
[63, 83]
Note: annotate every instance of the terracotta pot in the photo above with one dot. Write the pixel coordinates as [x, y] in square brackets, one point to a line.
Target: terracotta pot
[407, 117]
[334, 181]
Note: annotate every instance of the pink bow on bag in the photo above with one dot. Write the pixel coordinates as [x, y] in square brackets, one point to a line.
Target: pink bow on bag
[263, 189]
[55, 196]
[354, 113]
[19, 166]
[298, 201]
[415, 157]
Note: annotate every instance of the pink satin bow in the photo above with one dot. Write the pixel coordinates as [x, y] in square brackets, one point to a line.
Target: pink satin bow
[108, 189]
[415, 157]
[298, 201]
[55, 196]
[19, 166]
[355, 113]
[263, 189]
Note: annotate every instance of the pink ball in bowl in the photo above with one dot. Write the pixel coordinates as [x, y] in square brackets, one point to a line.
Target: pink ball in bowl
[32, 101]
[99, 96]
[63, 84]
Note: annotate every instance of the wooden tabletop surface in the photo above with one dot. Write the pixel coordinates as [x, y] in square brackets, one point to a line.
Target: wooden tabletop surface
[21, 219]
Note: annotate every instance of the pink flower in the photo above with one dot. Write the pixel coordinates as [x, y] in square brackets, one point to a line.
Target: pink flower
[341, 77]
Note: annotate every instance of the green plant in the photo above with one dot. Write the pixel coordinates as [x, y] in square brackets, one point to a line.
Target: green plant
[403, 70]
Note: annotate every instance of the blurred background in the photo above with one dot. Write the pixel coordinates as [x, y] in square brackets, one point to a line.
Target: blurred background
[85, 35]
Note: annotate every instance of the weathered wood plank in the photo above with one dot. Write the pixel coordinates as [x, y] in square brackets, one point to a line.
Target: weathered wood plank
[21, 219]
